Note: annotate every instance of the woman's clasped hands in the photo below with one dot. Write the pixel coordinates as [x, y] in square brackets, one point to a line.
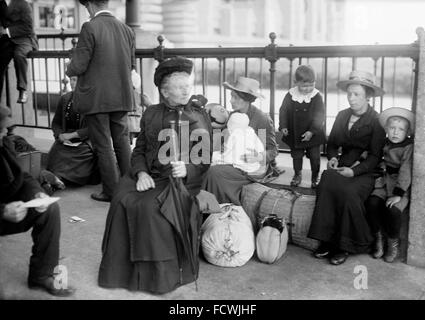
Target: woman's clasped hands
[146, 182]
[344, 171]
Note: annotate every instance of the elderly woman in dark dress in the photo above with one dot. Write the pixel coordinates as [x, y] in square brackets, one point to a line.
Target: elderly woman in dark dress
[339, 219]
[71, 158]
[139, 246]
[225, 181]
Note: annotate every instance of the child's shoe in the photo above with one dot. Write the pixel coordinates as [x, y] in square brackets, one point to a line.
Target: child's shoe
[392, 250]
[314, 183]
[296, 180]
[54, 181]
[378, 248]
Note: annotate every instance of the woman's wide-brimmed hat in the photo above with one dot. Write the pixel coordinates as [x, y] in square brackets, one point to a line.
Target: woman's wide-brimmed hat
[363, 78]
[171, 65]
[246, 85]
[399, 112]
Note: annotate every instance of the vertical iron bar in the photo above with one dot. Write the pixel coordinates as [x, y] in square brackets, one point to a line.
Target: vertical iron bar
[382, 82]
[206, 77]
[337, 90]
[203, 76]
[261, 72]
[246, 67]
[220, 84]
[412, 86]
[291, 67]
[234, 70]
[375, 71]
[34, 94]
[272, 88]
[47, 91]
[354, 63]
[224, 80]
[141, 78]
[415, 86]
[325, 87]
[194, 74]
[60, 76]
[394, 75]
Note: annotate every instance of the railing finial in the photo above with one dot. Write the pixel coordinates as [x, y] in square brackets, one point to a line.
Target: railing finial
[159, 50]
[272, 36]
[160, 39]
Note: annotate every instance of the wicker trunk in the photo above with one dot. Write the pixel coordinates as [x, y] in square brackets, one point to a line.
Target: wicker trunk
[296, 208]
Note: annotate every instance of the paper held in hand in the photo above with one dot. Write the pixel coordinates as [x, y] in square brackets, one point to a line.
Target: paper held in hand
[38, 202]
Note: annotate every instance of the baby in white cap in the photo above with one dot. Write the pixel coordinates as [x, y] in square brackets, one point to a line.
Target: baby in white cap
[242, 140]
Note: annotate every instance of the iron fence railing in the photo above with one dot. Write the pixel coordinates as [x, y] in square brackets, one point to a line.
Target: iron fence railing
[62, 41]
[394, 66]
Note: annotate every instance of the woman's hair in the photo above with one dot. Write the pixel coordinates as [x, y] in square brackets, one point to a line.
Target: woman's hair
[166, 80]
[246, 96]
[369, 91]
[305, 73]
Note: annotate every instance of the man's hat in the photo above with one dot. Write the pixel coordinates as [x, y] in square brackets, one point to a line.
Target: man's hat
[397, 112]
[84, 2]
[171, 65]
[246, 85]
[363, 78]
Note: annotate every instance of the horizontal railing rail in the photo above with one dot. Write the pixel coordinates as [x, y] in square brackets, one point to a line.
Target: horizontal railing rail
[273, 65]
[292, 52]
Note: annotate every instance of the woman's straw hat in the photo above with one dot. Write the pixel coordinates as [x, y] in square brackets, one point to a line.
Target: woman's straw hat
[246, 85]
[363, 78]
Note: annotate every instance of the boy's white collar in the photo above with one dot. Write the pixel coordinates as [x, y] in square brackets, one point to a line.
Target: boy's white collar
[297, 96]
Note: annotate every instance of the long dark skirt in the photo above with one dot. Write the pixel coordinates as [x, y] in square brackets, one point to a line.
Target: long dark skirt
[340, 215]
[75, 164]
[139, 245]
[225, 182]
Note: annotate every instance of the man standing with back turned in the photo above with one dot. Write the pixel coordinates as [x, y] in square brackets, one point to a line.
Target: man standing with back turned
[103, 61]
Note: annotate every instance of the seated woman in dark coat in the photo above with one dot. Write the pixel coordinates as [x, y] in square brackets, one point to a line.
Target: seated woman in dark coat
[71, 158]
[140, 249]
[225, 181]
[339, 219]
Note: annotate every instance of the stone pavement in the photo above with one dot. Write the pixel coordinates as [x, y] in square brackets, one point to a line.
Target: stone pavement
[296, 276]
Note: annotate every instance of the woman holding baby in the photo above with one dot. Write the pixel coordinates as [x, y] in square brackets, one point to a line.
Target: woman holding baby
[225, 181]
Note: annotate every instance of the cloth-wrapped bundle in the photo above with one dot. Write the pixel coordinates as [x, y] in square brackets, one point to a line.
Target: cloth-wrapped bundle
[228, 237]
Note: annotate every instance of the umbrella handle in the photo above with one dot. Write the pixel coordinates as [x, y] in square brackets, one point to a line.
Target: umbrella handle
[174, 141]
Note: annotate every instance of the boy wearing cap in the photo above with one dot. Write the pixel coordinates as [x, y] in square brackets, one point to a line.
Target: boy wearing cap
[390, 196]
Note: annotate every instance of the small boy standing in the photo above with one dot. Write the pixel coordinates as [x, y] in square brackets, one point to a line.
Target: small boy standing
[391, 194]
[301, 121]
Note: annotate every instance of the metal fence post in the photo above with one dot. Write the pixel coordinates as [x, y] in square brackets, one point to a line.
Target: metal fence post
[416, 246]
[158, 53]
[270, 54]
